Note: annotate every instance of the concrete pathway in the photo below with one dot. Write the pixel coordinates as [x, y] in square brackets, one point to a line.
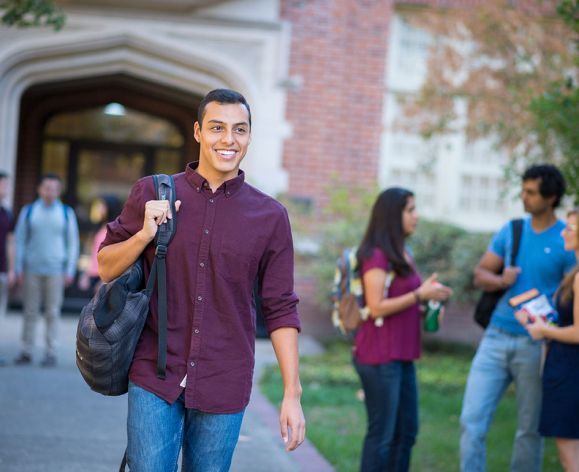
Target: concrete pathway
[50, 421]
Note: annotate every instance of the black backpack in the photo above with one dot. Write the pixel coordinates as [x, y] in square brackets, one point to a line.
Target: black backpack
[489, 300]
[110, 325]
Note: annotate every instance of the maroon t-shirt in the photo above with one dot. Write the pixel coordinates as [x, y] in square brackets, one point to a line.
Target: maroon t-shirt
[398, 339]
[223, 242]
[6, 226]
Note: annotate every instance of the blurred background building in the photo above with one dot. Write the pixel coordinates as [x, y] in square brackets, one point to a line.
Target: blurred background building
[113, 97]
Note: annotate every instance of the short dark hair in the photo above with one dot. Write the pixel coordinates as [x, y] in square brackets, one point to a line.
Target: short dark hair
[552, 181]
[49, 176]
[221, 96]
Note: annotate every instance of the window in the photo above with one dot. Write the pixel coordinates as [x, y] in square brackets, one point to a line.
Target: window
[128, 126]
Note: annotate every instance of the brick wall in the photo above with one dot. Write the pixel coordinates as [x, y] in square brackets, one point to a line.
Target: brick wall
[339, 48]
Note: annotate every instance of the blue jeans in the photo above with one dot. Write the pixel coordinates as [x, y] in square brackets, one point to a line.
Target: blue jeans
[391, 398]
[502, 358]
[156, 431]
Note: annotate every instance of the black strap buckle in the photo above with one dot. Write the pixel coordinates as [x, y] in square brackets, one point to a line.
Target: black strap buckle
[161, 251]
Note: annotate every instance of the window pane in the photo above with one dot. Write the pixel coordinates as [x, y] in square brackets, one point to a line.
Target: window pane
[107, 171]
[168, 162]
[55, 159]
[130, 127]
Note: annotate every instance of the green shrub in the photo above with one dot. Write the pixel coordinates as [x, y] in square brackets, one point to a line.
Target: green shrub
[432, 246]
[452, 253]
[465, 254]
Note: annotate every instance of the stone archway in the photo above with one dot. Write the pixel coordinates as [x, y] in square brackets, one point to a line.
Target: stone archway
[65, 59]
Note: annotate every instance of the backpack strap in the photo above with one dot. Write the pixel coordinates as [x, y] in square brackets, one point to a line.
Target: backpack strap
[517, 229]
[66, 218]
[27, 219]
[165, 190]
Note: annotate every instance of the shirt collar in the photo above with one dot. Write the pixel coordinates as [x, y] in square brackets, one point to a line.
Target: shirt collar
[229, 187]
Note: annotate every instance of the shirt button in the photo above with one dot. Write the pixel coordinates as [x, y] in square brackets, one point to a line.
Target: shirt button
[200, 298]
[198, 189]
[211, 200]
[192, 364]
[228, 193]
[196, 331]
[206, 231]
[201, 264]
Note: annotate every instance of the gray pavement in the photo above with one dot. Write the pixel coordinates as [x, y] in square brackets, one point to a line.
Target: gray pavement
[50, 421]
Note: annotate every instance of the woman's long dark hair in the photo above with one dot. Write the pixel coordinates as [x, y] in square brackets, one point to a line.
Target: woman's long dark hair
[114, 206]
[385, 229]
[565, 290]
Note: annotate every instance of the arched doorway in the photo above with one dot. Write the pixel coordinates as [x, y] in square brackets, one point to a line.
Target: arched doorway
[100, 135]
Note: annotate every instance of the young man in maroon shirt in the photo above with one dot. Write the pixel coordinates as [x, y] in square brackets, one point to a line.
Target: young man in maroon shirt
[228, 236]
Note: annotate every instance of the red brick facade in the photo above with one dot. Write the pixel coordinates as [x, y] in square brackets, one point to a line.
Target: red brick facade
[339, 48]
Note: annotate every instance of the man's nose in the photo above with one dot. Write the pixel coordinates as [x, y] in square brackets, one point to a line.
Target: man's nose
[227, 136]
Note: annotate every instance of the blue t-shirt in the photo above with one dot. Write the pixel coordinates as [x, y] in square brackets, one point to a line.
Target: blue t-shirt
[543, 262]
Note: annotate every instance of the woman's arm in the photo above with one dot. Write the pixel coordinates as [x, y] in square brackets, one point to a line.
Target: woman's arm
[380, 307]
[568, 334]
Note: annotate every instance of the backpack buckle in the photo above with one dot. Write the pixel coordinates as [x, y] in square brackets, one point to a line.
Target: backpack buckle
[161, 251]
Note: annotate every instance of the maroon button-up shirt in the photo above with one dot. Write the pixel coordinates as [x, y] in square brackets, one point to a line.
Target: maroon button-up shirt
[224, 241]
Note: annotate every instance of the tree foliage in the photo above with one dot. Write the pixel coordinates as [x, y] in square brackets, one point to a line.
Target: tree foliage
[27, 13]
[557, 109]
[504, 70]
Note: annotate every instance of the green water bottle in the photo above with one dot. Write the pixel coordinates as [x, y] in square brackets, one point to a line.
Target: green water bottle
[431, 318]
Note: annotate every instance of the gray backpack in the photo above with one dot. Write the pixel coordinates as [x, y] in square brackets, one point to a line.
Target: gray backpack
[110, 325]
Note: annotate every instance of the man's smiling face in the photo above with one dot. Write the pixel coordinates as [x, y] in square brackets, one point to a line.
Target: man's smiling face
[224, 138]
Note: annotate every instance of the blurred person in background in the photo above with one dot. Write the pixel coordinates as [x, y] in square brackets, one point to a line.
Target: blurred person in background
[6, 249]
[104, 209]
[560, 407]
[47, 247]
[388, 342]
[506, 353]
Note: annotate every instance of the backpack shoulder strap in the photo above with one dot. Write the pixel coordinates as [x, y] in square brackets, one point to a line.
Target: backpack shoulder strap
[517, 229]
[27, 216]
[65, 210]
[165, 190]
[28, 210]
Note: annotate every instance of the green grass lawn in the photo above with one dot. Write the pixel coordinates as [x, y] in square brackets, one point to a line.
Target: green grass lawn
[336, 418]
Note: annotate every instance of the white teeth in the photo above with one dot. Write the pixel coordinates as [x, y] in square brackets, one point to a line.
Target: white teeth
[226, 153]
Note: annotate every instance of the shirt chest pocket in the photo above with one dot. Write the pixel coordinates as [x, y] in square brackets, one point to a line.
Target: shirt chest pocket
[236, 257]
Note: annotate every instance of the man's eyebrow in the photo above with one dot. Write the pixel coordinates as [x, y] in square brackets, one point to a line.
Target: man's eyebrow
[242, 123]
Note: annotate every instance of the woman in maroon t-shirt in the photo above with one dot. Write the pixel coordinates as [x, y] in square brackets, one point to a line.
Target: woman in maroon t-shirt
[389, 341]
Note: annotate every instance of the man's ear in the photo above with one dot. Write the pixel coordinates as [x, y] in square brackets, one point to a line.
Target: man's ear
[197, 131]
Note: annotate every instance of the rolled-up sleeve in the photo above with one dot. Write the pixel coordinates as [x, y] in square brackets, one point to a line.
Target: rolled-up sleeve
[276, 277]
[130, 221]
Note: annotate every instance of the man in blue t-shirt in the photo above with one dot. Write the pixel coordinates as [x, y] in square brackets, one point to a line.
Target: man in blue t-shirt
[506, 353]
